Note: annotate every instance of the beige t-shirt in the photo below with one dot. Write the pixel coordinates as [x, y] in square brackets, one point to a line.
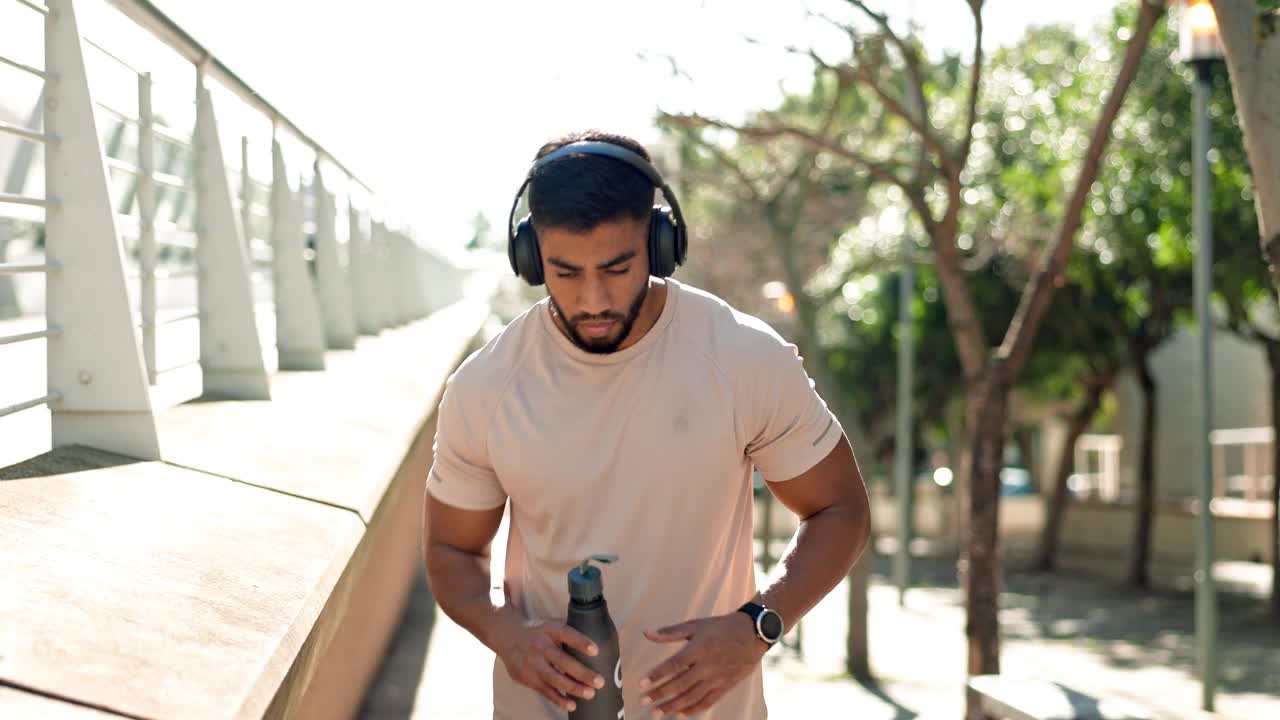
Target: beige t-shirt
[645, 453]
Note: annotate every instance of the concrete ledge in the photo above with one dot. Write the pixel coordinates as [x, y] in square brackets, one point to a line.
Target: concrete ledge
[258, 570]
[19, 704]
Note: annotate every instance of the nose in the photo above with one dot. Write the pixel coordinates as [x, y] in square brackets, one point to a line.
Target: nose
[594, 299]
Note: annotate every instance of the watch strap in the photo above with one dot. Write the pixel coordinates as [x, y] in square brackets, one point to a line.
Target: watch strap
[754, 611]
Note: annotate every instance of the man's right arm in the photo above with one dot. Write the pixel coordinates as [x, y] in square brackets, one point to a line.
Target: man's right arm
[457, 555]
[457, 544]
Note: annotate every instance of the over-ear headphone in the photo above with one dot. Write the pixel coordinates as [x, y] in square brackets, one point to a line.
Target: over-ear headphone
[668, 235]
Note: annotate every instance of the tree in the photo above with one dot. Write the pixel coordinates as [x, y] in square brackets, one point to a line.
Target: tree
[481, 237]
[941, 202]
[1142, 218]
[1250, 31]
[780, 210]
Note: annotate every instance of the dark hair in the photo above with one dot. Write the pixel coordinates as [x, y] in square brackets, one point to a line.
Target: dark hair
[578, 192]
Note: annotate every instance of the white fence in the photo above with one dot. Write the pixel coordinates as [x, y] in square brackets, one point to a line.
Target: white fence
[145, 233]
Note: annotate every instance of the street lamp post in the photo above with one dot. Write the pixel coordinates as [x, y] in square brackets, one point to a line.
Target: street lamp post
[1200, 47]
[902, 447]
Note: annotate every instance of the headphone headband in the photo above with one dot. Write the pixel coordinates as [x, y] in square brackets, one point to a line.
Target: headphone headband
[596, 147]
[668, 236]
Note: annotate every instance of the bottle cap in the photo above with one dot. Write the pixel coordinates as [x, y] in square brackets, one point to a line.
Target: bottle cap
[585, 583]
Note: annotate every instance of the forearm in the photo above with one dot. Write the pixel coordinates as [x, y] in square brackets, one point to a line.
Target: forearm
[460, 584]
[820, 554]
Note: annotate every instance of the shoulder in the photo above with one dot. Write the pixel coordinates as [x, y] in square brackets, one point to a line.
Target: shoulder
[482, 377]
[734, 339]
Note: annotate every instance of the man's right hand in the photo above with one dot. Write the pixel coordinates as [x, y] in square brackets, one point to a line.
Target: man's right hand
[535, 657]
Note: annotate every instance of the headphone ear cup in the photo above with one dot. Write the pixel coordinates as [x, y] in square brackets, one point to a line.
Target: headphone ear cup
[663, 238]
[524, 253]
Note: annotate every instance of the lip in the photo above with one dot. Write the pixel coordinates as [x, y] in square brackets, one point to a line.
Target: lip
[596, 329]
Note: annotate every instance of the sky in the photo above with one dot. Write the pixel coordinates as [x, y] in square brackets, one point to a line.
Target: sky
[440, 106]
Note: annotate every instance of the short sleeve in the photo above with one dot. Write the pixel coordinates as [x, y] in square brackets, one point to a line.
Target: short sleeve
[787, 425]
[461, 473]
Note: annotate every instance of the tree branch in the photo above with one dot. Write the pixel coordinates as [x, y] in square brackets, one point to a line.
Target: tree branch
[721, 157]
[975, 82]
[882, 170]
[862, 73]
[908, 53]
[1039, 291]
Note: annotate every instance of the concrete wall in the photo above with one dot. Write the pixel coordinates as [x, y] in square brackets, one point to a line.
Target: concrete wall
[258, 570]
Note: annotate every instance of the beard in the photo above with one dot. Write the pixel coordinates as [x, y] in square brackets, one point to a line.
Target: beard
[604, 345]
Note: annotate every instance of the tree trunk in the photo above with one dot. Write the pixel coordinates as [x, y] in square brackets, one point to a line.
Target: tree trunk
[1027, 453]
[1273, 357]
[988, 409]
[1145, 505]
[1047, 555]
[856, 658]
[1251, 39]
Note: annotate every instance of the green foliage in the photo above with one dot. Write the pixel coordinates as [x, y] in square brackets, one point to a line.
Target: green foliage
[1128, 282]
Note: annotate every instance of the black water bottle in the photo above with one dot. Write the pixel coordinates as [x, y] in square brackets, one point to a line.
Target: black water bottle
[589, 615]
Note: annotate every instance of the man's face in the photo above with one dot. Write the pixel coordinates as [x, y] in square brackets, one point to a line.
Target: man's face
[597, 280]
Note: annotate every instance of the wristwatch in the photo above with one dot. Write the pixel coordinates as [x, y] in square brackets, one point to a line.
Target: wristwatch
[768, 623]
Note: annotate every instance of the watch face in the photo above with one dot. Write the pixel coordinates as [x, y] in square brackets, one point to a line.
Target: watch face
[771, 625]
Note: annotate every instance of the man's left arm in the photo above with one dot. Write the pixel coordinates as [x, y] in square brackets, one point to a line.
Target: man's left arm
[835, 524]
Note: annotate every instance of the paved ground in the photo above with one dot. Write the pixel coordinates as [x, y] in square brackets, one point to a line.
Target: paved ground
[1079, 630]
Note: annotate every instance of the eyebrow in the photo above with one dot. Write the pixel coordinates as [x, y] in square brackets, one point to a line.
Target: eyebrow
[624, 257]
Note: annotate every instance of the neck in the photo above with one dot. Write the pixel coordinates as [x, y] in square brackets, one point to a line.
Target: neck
[650, 310]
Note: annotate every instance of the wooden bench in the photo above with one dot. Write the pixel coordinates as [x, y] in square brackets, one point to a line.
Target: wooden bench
[1008, 698]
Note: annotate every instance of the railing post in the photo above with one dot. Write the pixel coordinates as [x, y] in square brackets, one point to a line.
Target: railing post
[384, 276]
[402, 264]
[335, 294]
[246, 194]
[299, 328]
[230, 349]
[95, 364]
[362, 267]
[146, 186]
[421, 306]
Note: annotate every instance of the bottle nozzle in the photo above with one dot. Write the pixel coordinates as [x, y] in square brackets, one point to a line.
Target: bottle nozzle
[585, 584]
[598, 558]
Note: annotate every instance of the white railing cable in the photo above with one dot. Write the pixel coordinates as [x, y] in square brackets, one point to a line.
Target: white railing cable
[34, 6]
[16, 268]
[161, 178]
[24, 337]
[162, 132]
[27, 133]
[149, 17]
[123, 63]
[28, 404]
[24, 68]
[162, 274]
[174, 320]
[24, 200]
[179, 366]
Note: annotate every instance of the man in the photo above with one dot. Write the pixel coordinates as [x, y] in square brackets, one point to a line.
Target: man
[624, 415]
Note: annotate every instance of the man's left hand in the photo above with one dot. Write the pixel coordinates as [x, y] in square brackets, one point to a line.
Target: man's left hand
[721, 651]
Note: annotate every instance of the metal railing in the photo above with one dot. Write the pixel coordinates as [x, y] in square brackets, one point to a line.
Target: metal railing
[46, 203]
[102, 361]
[1253, 476]
[1097, 467]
